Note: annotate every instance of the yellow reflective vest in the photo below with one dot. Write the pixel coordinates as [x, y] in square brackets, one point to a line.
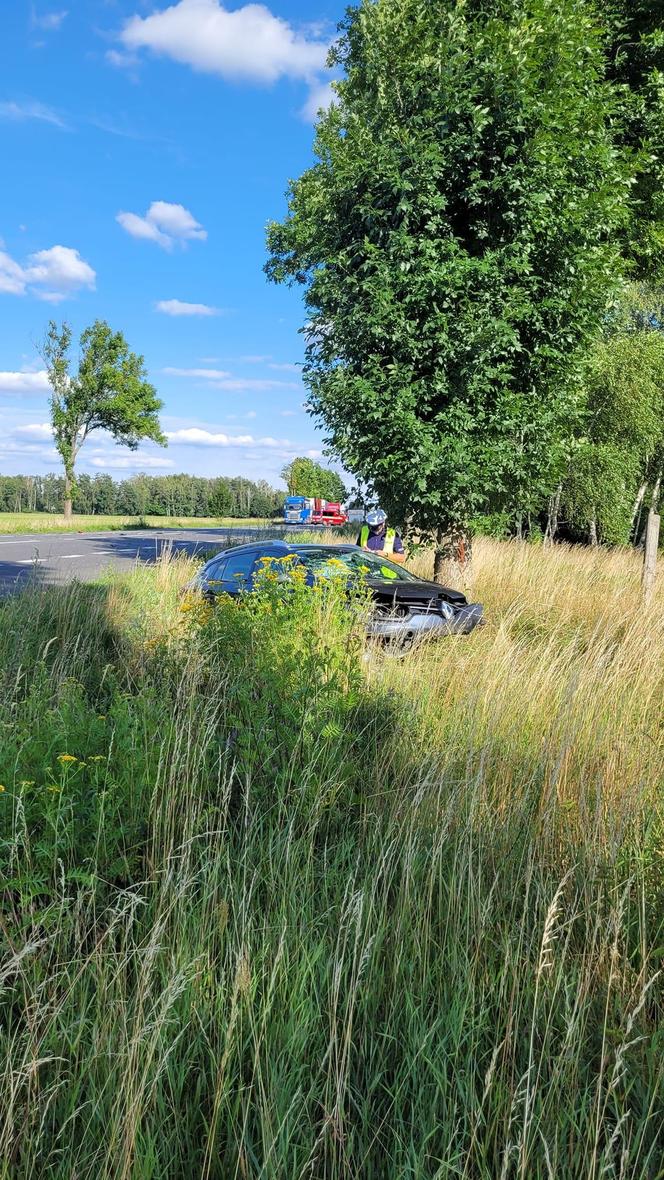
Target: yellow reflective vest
[388, 544]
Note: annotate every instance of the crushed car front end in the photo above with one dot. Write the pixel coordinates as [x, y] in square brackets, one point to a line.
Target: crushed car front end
[408, 613]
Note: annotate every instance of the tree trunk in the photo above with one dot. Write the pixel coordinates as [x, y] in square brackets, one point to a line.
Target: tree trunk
[592, 532]
[641, 525]
[452, 558]
[636, 512]
[650, 556]
[519, 525]
[654, 504]
[69, 483]
[552, 520]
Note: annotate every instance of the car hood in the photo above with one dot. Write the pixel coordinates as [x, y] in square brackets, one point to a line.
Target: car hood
[420, 593]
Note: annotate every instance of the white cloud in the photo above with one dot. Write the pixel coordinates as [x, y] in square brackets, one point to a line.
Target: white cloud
[205, 374]
[255, 385]
[321, 96]
[34, 439]
[164, 223]
[285, 368]
[140, 227]
[24, 382]
[20, 112]
[48, 21]
[177, 307]
[249, 43]
[121, 60]
[12, 276]
[53, 274]
[134, 461]
[222, 380]
[29, 448]
[175, 220]
[42, 430]
[61, 271]
[196, 437]
[288, 413]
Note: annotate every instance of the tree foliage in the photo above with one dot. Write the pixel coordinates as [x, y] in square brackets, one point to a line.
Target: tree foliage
[635, 66]
[452, 239]
[619, 450]
[304, 477]
[109, 391]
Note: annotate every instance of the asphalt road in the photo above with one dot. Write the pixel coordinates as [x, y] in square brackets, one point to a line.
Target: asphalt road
[53, 558]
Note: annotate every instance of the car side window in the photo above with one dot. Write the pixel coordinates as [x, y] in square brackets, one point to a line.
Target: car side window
[237, 570]
[215, 571]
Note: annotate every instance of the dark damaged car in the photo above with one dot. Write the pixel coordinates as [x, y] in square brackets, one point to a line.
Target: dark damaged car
[406, 609]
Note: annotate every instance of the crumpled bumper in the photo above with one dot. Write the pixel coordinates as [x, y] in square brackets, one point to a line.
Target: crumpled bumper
[412, 628]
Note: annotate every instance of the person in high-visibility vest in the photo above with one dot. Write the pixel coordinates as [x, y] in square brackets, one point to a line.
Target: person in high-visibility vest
[376, 537]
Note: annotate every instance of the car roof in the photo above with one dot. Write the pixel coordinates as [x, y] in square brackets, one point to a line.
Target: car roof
[276, 547]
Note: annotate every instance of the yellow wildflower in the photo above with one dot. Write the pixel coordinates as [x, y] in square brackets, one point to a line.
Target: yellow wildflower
[67, 758]
[1, 788]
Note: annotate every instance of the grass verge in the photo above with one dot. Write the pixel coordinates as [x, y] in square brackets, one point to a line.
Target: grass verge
[47, 522]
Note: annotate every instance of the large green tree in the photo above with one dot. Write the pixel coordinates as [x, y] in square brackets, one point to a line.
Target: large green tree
[453, 240]
[109, 391]
[304, 477]
[635, 66]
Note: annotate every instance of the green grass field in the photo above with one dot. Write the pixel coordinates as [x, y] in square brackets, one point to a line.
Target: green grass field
[46, 522]
[278, 907]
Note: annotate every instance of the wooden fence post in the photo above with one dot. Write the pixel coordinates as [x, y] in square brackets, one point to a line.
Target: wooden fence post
[650, 556]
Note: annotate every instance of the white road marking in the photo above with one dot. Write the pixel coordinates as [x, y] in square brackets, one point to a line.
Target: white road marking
[62, 556]
[14, 542]
[29, 560]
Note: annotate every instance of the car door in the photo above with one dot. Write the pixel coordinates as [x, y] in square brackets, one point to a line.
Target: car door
[235, 575]
[211, 575]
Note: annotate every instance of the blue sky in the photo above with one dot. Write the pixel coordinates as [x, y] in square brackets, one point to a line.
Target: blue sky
[146, 145]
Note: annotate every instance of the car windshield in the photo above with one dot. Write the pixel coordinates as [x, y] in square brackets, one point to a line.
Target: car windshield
[328, 561]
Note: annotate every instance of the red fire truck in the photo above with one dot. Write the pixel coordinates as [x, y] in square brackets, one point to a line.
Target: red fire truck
[328, 513]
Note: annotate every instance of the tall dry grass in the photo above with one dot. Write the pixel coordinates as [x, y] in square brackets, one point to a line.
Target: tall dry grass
[295, 913]
[568, 677]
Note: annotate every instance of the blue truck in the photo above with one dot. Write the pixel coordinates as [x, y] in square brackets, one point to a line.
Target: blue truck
[298, 510]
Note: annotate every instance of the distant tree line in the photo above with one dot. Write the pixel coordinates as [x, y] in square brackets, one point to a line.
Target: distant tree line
[143, 495]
